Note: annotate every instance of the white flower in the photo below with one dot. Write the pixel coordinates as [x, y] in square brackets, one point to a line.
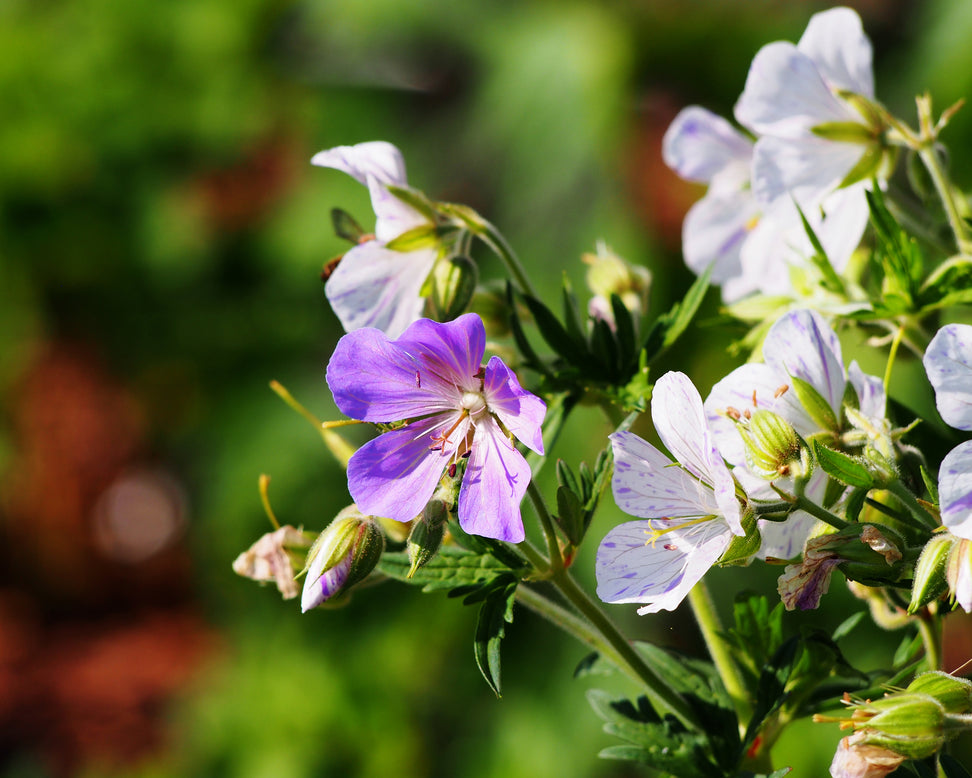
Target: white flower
[374, 286]
[948, 363]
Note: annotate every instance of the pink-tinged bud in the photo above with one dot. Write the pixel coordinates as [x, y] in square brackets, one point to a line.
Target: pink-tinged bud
[272, 558]
[855, 759]
[609, 274]
[343, 554]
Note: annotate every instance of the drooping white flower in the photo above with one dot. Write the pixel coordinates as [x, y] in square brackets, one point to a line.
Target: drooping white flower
[372, 285]
[691, 511]
[948, 363]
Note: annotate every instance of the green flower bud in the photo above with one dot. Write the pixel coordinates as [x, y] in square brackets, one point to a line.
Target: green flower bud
[911, 724]
[426, 535]
[343, 554]
[742, 548]
[608, 274]
[453, 284]
[930, 580]
[771, 444]
[955, 694]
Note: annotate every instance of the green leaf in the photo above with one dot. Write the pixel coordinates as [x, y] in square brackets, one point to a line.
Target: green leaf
[898, 254]
[667, 328]
[757, 633]
[831, 280]
[952, 767]
[566, 477]
[530, 356]
[624, 334]
[930, 484]
[345, 226]
[846, 469]
[450, 569]
[553, 332]
[949, 284]
[494, 615]
[422, 237]
[604, 349]
[570, 514]
[848, 625]
[572, 317]
[771, 688]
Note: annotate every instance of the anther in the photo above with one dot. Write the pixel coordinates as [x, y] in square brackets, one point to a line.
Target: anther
[780, 391]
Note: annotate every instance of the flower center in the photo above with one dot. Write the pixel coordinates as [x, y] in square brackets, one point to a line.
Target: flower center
[473, 402]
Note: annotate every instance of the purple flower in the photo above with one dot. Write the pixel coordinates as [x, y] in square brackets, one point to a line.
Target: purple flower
[374, 286]
[693, 512]
[432, 377]
[948, 363]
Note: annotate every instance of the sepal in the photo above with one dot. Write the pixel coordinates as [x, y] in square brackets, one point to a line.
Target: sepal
[930, 581]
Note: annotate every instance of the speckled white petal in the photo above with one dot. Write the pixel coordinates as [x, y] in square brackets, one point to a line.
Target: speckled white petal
[785, 95]
[373, 286]
[676, 409]
[715, 229]
[836, 43]
[699, 145]
[870, 391]
[955, 490]
[948, 363]
[802, 344]
[630, 568]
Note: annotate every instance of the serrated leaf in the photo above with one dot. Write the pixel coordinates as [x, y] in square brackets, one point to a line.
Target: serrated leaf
[594, 664]
[495, 614]
[846, 469]
[758, 631]
[530, 356]
[449, 569]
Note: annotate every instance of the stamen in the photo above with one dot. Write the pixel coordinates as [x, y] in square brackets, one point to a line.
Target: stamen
[443, 437]
[747, 414]
[654, 534]
[755, 404]
[780, 391]
[733, 413]
[418, 380]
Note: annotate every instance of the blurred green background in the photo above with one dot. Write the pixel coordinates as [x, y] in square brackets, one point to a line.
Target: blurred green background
[161, 238]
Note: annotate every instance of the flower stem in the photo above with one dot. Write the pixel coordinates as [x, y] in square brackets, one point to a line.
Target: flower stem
[493, 238]
[818, 512]
[899, 490]
[546, 521]
[710, 627]
[929, 627]
[892, 353]
[665, 698]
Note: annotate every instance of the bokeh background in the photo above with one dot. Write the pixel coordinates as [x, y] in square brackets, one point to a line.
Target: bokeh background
[161, 240]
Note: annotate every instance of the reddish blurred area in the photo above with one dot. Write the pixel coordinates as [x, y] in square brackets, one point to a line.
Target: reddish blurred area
[97, 623]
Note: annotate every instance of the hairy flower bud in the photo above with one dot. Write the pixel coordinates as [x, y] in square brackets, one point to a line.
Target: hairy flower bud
[426, 535]
[608, 275]
[343, 554]
[955, 694]
[771, 444]
[453, 282]
[911, 724]
[930, 581]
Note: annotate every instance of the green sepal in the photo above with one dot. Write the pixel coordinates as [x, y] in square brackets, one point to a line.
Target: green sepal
[830, 281]
[453, 285]
[867, 167]
[814, 404]
[464, 215]
[346, 227]
[667, 328]
[415, 199]
[844, 132]
[741, 548]
[848, 470]
[930, 580]
[425, 236]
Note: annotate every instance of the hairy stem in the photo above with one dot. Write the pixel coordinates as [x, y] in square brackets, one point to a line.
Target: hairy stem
[899, 490]
[493, 238]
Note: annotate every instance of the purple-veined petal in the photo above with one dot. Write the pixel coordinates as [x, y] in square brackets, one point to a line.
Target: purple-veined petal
[806, 168]
[646, 483]
[395, 475]
[738, 390]
[699, 145]
[676, 409]
[376, 160]
[870, 391]
[450, 354]
[493, 485]
[630, 568]
[373, 379]
[955, 490]
[836, 43]
[785, 95]
[318, 586]
[373, 286]
[714, 231]
[959, 573]
[803, 345]
[948, 363]
[520, 411]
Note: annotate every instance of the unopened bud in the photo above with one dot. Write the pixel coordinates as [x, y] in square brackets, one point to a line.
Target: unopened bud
[453, 284]
[271, 558]
[815, 404]
[911, 724]
[930, 582]
[343, 554]
[426, 535]
[955, 694]
[856, 759]
[609, 274]
[771, 444]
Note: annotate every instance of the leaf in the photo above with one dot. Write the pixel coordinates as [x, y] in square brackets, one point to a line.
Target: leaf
[604, 350]
[847, 625]
[495, 614]
[771, 688]
[758, 631]
[667, 328]
[450, 569]
[553, 331]
[530, 357]
[898, 254]
[624, 334]
[831, 280]
[572, 317]
[949, 284]
[570, 514]
[952, 767]
[846, 469]
[345, 226]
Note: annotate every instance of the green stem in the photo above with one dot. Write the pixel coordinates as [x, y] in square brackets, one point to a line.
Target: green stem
[493, 238]
[546, 521]
[662, 695]
[899, 490]
[817, 511]
[710, 627]
[945, 194]
[892, 353]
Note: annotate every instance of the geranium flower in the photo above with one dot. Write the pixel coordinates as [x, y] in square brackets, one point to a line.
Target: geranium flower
[955, 490]
[372, 285]
[749, 244]
[948, 363]
[799, 345]
[432, 377]
[791, 92]
[692, 510]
